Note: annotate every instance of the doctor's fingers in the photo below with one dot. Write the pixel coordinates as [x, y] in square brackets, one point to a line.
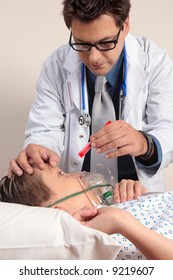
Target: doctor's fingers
[32, 154]
[19, 164]
[121, 151]
[112, 144]
[25, 159]
[114, 126]
[124, 146]
[132, 143]
[39, 155]
[117, 136]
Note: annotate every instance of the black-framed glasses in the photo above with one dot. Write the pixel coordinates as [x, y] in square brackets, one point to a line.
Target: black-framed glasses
[101, 46]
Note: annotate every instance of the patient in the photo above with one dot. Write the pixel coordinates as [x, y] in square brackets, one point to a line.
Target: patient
[50, 186]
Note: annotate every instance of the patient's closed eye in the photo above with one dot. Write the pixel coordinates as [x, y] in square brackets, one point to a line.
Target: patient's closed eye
[60, 172]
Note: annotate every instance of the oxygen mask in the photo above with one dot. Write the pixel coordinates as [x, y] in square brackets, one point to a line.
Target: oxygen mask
[101, 182]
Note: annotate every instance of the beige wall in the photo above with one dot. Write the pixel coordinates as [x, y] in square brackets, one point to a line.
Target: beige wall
[29, 31]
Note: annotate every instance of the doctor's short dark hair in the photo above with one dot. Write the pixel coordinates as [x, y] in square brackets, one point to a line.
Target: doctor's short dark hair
[26, 189]
[88, 10]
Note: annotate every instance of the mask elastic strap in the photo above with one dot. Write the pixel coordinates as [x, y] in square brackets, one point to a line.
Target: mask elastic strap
[79, 193]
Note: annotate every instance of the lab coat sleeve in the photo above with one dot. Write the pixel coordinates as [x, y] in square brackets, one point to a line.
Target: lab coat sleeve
[46, 118]
[149, 102]
[159, 107]
[156, 165]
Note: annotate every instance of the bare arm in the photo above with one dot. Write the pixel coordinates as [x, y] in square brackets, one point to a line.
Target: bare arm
[114, 220]
[153, 245]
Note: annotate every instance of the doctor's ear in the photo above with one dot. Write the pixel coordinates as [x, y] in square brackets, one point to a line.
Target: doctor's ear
[126, 26]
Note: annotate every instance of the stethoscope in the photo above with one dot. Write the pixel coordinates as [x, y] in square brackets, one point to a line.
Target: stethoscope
[85, 118]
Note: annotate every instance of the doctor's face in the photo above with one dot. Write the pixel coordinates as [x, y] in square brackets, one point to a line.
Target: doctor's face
[100, 30]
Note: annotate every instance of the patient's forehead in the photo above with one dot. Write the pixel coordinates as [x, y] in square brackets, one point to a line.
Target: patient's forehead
[37, 170]
[48, 173]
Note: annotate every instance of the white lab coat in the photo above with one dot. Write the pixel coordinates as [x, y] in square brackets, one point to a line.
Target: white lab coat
[53, 119]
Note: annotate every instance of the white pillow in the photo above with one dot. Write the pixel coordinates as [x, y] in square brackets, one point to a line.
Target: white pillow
[40, 233]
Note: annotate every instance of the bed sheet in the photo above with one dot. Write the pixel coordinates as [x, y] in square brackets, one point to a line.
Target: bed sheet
[155, 211]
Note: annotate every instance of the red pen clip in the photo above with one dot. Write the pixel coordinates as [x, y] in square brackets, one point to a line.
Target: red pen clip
[85, 150]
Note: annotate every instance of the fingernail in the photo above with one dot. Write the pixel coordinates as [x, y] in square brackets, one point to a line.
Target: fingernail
[41, 166]
[93, 145]
[29, 170]
[19, 172]
[98, 150]
[54, 163]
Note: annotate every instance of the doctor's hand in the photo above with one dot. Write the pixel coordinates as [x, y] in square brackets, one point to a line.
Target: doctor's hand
[37, 154]
[127, 190]
[119, 138]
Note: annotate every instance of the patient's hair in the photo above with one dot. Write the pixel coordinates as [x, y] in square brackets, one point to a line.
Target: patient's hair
[26, 189]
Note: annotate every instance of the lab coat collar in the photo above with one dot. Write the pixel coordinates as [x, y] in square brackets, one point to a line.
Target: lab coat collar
[136, 72]
[72, 62]
[72, 85]
[134, 51]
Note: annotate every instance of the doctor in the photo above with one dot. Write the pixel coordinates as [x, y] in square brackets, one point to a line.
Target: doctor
[140, 83]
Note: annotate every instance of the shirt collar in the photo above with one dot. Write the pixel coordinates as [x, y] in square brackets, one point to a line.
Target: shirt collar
[112, 75]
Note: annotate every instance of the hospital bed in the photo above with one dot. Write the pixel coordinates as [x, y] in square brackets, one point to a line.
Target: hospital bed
[45, 233]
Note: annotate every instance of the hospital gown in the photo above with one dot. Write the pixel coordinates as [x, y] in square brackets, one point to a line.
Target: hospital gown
[155, 211]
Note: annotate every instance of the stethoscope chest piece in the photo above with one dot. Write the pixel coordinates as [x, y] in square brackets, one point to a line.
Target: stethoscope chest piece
[84, 119]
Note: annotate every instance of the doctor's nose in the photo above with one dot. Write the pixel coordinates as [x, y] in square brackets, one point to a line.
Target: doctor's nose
[94, 55]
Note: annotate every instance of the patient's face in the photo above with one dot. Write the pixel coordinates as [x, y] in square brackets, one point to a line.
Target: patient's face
[63, 184]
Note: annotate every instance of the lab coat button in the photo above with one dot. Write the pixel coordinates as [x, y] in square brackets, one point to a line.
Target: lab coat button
[81, 136]
[75, 163]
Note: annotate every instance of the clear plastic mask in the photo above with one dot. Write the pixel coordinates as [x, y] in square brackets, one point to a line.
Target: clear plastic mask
[101, 183]
[93, 182]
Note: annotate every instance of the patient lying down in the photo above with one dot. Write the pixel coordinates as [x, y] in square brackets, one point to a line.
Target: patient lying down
[49, 187]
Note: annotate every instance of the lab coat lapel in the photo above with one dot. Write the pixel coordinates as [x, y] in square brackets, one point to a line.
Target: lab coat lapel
[136, 75]
[72, 85]
[71, 92]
